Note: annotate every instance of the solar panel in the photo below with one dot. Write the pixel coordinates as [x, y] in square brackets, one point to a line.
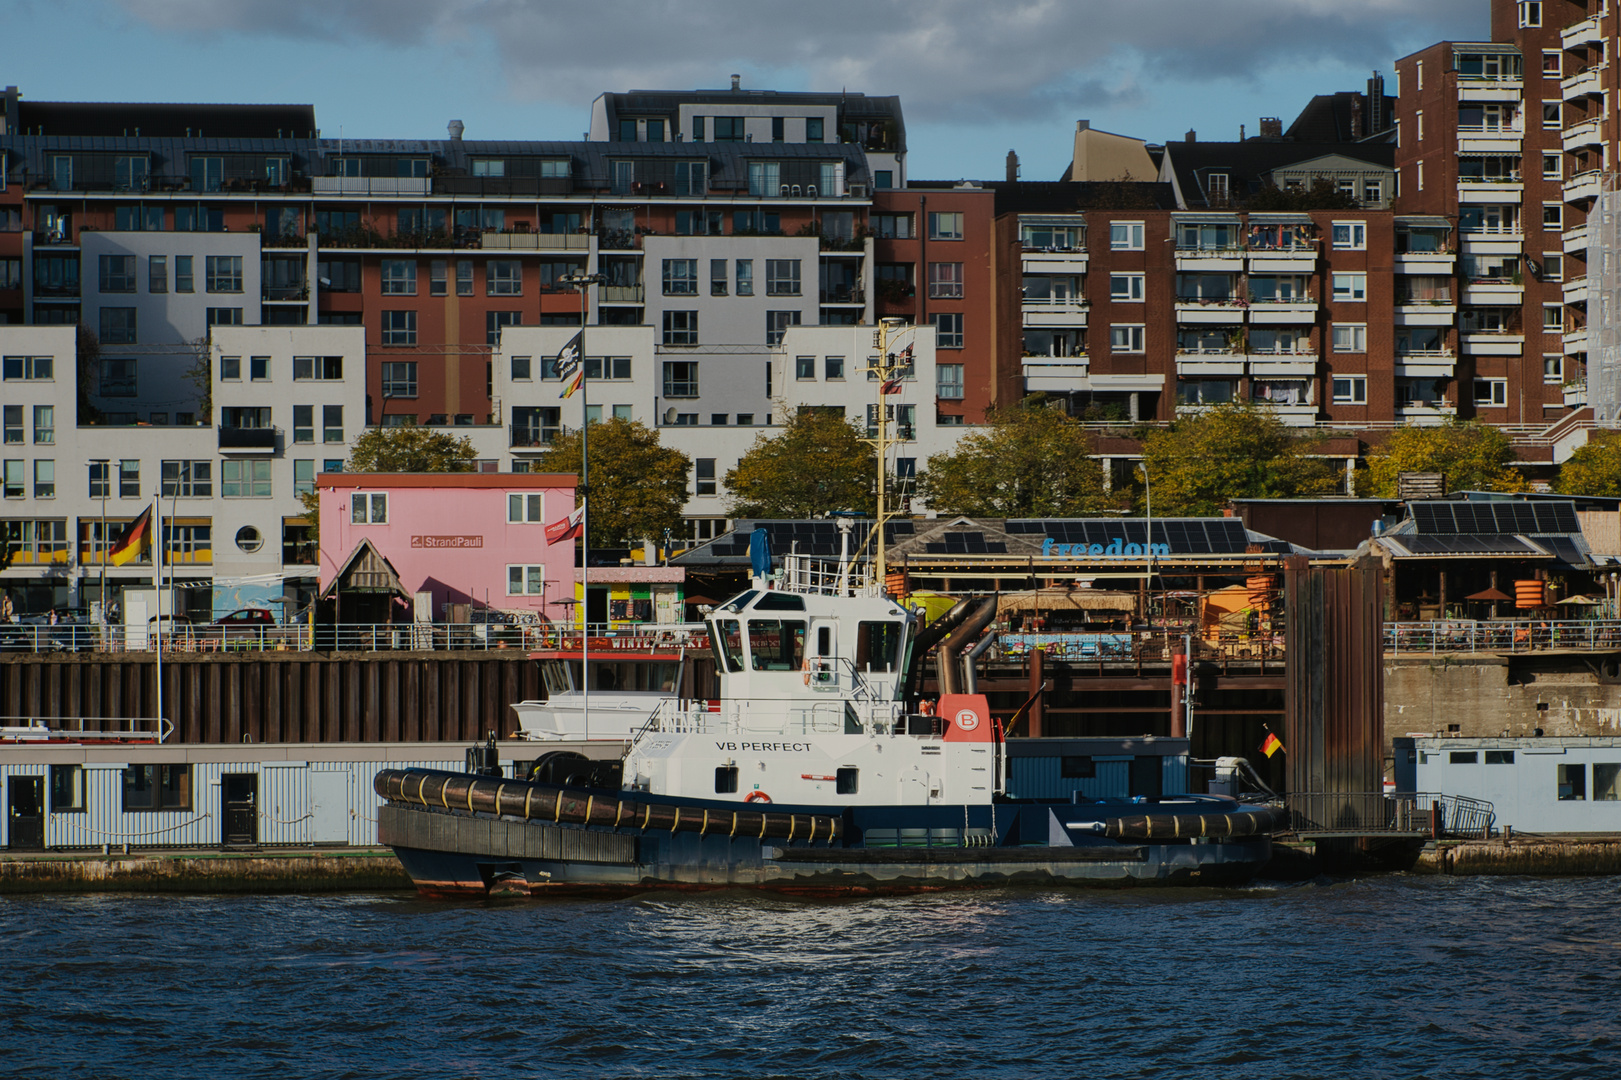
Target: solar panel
[1480, 544]
[1564, 550]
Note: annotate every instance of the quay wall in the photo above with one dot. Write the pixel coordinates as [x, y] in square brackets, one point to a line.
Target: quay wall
[1496, 696]
[283, 697]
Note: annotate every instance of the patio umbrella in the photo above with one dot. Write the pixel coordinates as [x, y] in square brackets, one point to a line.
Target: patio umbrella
[1585, 601]
[1490, 595]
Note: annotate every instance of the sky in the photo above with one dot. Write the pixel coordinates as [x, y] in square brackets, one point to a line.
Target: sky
[976, 78]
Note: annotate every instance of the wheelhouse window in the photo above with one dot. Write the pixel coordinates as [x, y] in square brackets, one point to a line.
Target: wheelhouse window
[776, 644]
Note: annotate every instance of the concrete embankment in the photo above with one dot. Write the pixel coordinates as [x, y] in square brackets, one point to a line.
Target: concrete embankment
[1542, 856]
[204, 872]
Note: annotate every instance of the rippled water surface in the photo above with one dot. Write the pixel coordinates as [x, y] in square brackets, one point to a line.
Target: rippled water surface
[1394, 977]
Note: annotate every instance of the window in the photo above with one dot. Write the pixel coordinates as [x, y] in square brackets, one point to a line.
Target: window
[1206, 391]
[188, 479]
[118, 378]
[947, 329]
[118, 273]
[1349, 236]
[526, 580]
[158, 787]
[223, 274]
[1126, 338]
[680, 328]
[804, 368]
[317, 368]
[1605, 782]
[892, 226]
[464, 277]
[834, 368]
[945, 226]
[13, 423]
[1125, 236]
[494, 321]
[1419, 122]
[15, 487]
[524, 508]
[400, 379]
[948, 381]
[1553, 266]
[1350, 390]
[1463, 757]
[224, 316]
[611, 368]
[680, 378]
[368, 508]
[764, 177]
[230, 369]
[703, 471]
[1077, 767]
[945, 280]
[1572, 783]
[1530, 13]
[11, 273]
[782, 277]
[1551, 64]
[745, 277]
[1499, 757]
[118, 326]
[1216, 188]
[1553, 369]
[399, 277]
[1351, 287]
[332, 423]
[1552, 167]
[246, 478]
[1126, 287]
[522, 368]
[1553, 216]
[728, 129]
[503, 277]
[67, 788]
[27, 367]
[1373, 192]
[717, 277]
[438, 277]
[680, 277]
[182, 274]
[1553, 319]
[399, 328]
[1491, 393]
[100, 486]
[303, 476]
[1350, 337]
[777, 323]
[259, 368]
[44, 479]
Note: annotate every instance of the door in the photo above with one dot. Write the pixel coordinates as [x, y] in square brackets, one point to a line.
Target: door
[239, 808]
[329, 807]
[26, 817]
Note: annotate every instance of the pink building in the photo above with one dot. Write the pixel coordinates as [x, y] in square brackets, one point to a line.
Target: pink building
[463, 537]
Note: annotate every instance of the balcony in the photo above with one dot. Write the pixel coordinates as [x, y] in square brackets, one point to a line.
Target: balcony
[1054, 261]
[1420, 413]
[1576, 238]
[1582, 83]
[236, 440]
[1481, 139]
[1301, 309]
[1490, 88]
[844, 294]
[1586, 32]
[1586, 133]
[371, 185]
[1203, 363]
[1509, 341]
[1229, 259]
[1056, 374]
[1054, 312]
[528, 241]
[1584, 185]
[1575, 290]
[1425, 262]
[1576, 340]
[285, 293]
[1490, 189]
[1436, 312]
[1575, 394]
[1278, 364]
[1195, 311]
[1493, 292]
[622, 294]
[531, 438]
[619, 240]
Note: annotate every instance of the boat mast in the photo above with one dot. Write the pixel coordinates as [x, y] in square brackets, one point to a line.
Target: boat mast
[883, 370]
[582, 283]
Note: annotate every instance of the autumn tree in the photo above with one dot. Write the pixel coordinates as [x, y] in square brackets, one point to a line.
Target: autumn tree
[1594, 469]
[1235, 451]
[1471, 456]
[399, 450]
[1031, 461]
[638, 487]
[816, 463]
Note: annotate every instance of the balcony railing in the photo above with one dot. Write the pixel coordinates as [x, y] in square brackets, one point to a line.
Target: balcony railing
[532, 435]
[240, 438]
[844, 294]
[622, 294]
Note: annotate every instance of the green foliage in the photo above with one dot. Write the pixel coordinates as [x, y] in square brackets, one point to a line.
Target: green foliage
[411, 450]
[1472, 457]
[638, 487]
[1324, 194]
[1032, 461]
[816, 465]
[1235, 451]
[1595, 469]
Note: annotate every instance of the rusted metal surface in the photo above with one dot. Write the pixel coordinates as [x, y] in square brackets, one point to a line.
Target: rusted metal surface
[1334, 697]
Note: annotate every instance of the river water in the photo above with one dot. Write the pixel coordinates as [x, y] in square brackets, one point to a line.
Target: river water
[1390, 977]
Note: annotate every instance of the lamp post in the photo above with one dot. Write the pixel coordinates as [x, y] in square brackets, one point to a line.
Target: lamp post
[1148, 543]
[582, 283]
[106, 479]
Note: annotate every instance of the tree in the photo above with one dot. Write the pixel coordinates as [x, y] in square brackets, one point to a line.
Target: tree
[411, 449]
[638, 487]
[87, 372]
[816, 465]
[1235, 451]
[1032, 461]
[1472, 457]
[1595, 469]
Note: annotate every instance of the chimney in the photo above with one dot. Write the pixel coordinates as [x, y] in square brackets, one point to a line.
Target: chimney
[1012, 167]
[1240, 132]
[1083, 125]
[1356, 116]
[456, 127]
[737, 82]
[1191, 136]
[1271, 127]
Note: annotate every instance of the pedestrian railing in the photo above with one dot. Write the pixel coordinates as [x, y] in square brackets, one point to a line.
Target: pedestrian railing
[1376, 813]
[1501, 635]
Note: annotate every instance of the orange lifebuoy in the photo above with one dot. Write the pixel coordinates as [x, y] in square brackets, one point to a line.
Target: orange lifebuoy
[926, 708]
[756, 796]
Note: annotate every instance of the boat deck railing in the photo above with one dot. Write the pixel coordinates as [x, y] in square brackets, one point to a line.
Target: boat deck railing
[1324, 815]
[84, 729]
[769, 717]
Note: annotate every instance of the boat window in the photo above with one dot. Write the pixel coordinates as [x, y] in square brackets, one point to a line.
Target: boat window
[554, 674]
[728, 645]
[779, 601]
[879, 645]
[776, 644]
[725, 779]
[846, 781]
[738, 602]
[824, 641]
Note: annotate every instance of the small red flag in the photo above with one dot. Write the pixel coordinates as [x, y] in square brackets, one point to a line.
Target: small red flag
[566, 528]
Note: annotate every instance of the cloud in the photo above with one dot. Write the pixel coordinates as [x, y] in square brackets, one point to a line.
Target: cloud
[951, 61]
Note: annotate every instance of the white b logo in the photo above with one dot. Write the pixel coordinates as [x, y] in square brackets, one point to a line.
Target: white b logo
[967, 719]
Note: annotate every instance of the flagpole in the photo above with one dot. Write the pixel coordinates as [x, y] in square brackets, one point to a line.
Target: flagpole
[582, 284]
[157, 594]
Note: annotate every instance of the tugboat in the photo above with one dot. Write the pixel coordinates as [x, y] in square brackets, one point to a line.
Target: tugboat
[809, 775]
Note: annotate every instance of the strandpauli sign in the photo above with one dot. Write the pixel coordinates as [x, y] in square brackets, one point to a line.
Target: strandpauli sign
[1116, 549]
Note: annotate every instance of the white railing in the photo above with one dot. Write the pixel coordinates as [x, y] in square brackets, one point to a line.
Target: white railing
[1438, 636]
[352, 637]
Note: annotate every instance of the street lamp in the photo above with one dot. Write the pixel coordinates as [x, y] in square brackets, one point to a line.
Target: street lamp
[106, 479]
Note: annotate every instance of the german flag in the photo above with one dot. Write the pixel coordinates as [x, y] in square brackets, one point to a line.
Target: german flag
[135, 539]
[1271, 745]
